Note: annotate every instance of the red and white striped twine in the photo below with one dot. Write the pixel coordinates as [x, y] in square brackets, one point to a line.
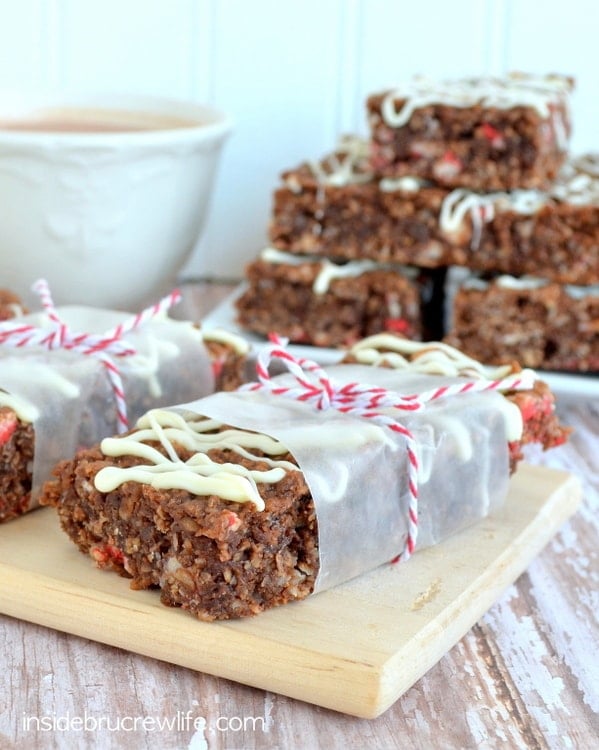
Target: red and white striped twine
[315, 387]
[104, 347]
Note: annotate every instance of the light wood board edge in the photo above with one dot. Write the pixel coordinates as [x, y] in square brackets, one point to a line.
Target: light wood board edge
[362, 689]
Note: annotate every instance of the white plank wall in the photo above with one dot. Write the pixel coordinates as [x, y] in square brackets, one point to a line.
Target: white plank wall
[293, 75]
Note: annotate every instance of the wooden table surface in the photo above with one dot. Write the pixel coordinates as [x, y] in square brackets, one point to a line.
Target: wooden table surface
[525, 676]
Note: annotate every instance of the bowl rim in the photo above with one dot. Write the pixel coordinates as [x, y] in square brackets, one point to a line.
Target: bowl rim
[212, 122]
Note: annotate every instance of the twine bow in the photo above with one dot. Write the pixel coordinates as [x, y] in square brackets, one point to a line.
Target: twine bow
[104, 347]
[314, 386]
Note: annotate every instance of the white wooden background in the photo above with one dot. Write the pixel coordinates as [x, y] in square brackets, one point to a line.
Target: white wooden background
[293, 74]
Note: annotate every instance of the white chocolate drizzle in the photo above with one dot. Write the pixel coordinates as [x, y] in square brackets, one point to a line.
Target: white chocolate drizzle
[16, 309]
[512, 91]
[588, 163]
[24, 410]
[221, 336]
[406, 184]
[458, 204]
[199, 475]
[518, 283]
[430, 358]
[330, 271]
[347, 166]
[578, 181]
[577, 184]
[529, 283]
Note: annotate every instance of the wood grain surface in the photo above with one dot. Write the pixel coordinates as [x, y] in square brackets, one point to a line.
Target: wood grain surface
[525, 676]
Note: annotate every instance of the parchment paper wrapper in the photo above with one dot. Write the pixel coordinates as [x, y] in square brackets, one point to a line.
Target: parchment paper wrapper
[68, 398]
[357, 471]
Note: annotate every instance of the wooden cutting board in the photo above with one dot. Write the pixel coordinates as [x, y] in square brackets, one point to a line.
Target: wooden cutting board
[355, 649]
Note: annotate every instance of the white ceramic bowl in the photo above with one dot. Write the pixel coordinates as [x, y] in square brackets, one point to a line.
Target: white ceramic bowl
[108, 218]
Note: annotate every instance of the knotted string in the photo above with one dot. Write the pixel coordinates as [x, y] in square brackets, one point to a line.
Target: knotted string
[314, 386]
[104, 347]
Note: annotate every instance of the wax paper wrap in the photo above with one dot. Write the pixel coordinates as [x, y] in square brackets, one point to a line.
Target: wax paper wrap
[68, 398]
[357, 470]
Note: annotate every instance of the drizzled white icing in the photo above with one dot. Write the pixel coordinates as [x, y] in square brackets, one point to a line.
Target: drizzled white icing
[523, 282]
[588, 163]
[16, 309]
[431, 358]
[24, 409]
[330, 271]
[407, 184]
[199, 474]
[221, 336]
[461, 202]
[347, 166]
[526, 283]
[580, 292]
[578, 181]
[577, 184]
[437, 358]
[512, 91]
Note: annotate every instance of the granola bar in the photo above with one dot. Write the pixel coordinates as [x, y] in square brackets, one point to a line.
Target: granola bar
[480, 133]
[542, 324]
[315, 301]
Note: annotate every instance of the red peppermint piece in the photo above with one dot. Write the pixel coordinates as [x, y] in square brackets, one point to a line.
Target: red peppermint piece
[232, 519]
[8, 424]
[528, 408]
[397, 325]
[532, 408]
[107, 553]
[217, 368]
[298, 335]
[493, 135]
[447, 167]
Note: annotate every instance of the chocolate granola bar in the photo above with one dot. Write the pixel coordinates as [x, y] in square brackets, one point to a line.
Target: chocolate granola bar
[336, 208]
[541, 324]
[552, 234]
[480, 133]
[228, 522]
[229, 560]
[314, 301]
